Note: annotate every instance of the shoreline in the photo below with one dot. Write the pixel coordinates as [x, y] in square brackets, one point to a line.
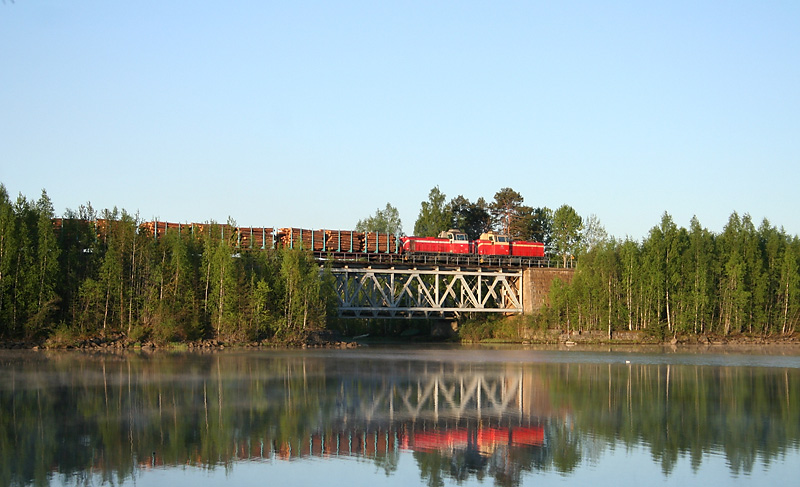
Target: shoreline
[326, 339]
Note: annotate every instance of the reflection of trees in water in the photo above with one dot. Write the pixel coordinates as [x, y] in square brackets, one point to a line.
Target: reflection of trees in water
[692, 411]
[80, 416]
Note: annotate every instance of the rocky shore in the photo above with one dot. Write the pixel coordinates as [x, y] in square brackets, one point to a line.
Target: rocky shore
[117, 342]
[328, 339]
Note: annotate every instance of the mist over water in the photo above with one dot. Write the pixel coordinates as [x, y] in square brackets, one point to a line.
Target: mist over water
[406, 416]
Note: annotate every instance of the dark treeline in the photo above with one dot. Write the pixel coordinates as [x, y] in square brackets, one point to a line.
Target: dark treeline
[77, 281]
[686, 281]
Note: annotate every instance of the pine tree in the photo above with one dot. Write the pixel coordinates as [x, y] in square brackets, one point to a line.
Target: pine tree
[471, 218]
[505, 210]
[47, 266]
[8, 251]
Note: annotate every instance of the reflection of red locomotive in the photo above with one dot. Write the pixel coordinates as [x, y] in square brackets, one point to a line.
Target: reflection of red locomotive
[456, 242]
[482, 439]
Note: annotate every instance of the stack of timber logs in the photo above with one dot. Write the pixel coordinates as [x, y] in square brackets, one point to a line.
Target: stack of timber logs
[255, 238]
[159, 229]
[58, 224]
[299, 238]
[381, 243]
[261, 238]
[337, 241]
[344, 241]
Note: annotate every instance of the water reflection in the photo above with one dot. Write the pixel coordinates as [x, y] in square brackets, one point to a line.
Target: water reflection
[108, 418]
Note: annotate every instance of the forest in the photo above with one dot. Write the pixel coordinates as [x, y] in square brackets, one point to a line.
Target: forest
[79, 280]
[680, 281]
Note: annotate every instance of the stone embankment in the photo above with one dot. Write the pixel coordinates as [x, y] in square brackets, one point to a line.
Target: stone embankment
[112, 343]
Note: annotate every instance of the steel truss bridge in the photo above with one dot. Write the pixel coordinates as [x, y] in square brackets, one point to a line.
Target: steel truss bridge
[413, 291]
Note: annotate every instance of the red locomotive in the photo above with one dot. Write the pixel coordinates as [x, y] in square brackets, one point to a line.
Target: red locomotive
[450, 242]
[457, 242]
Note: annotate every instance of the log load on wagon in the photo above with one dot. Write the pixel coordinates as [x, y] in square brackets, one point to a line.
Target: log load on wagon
[452, 246]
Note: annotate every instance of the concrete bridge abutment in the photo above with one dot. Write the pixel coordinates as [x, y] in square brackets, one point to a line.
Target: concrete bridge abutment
[536, 282]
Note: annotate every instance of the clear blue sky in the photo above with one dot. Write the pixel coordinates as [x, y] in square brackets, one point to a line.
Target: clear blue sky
[315, 114]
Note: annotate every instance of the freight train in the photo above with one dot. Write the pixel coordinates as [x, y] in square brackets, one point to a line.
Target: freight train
[451, 246]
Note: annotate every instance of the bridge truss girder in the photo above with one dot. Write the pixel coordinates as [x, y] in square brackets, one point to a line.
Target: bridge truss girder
[425, 293]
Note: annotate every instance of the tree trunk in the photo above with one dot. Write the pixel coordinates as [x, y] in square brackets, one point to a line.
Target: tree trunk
[785, 308]
[221, 299]
[609, 307]
[105, 311]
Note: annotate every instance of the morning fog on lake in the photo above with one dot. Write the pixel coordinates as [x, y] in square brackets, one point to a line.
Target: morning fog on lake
[401, 416]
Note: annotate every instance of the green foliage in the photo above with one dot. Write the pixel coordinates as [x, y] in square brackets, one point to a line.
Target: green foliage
[471, 218]
[594, 233]
[518, 221]
[29, 267]
[63, 336]
[494, 329]
[104, 274]
[383, 221]
[111, 276]
[679, 281]
[566, 236]
[306, 296]
[505, 209]
[535, 224]
[434, 215]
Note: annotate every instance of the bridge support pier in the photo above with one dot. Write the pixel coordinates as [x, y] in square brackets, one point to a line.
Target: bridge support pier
[536, 282]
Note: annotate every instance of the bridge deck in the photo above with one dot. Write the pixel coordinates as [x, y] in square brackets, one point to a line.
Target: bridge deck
[442, 260]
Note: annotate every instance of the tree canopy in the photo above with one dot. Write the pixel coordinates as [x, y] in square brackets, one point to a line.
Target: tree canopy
[471, 218]
[434, 215]
[108, 276]
[566, 236]
[687, 281]
[506, 210]
[383, 221]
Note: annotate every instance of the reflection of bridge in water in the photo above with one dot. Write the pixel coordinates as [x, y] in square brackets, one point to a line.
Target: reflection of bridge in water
[440, 395]
[423, 411]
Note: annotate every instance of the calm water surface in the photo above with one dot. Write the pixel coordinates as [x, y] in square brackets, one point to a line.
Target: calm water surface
[408, 416]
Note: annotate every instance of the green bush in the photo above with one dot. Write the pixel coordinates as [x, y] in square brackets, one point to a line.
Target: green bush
[63, 336]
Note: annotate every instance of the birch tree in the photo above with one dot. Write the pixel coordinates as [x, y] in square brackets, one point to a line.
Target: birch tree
[567, 228]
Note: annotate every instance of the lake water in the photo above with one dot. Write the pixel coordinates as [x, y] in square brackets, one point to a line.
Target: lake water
[402, 416]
